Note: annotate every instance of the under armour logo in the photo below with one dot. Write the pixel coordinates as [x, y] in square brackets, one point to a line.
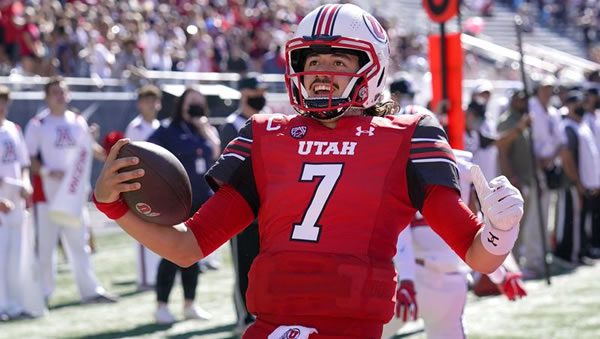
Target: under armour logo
[492, 239]
[360, 131]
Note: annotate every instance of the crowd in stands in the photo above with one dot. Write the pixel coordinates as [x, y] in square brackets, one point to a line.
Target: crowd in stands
[579, 17]
[121, 39]
[112, 38]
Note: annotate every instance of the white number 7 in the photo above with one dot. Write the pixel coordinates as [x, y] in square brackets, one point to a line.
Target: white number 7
[308, 230]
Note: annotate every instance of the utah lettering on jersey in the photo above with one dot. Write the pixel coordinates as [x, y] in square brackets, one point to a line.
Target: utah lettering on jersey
[326, 147]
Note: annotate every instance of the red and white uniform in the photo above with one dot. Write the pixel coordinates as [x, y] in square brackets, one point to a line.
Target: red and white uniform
[330, 204]
[441, 276]
[147, 261]
[53, 140]
[18, 290]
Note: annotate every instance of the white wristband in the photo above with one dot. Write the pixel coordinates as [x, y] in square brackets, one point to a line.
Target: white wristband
[497, 277]
[498, 242]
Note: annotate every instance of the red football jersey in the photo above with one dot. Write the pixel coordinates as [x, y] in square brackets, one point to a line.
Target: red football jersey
[330, 205]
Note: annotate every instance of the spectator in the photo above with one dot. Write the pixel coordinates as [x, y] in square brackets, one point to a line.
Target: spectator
[20, 290]
[53, 138]
[548, 148]
[583, 194]
[245, 245]
[237, 62]
[196, 144]
[480, 134]
[274, 61]
[130, 57]
[517, 164]
[592, 119]
[139, 129]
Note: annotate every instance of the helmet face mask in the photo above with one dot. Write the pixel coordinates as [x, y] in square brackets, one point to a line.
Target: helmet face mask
[354, 35]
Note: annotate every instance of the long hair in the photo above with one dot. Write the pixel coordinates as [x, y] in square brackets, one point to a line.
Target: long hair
[380, 109]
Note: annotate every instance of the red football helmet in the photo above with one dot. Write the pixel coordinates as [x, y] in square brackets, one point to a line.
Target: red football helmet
[338, 28]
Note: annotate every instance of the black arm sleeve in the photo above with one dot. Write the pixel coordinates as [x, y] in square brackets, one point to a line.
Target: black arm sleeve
[227, 134]
[234, 167]
[431, 160]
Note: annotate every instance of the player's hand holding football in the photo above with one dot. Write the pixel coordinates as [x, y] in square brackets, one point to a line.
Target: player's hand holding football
[502, 207]
[111, 183]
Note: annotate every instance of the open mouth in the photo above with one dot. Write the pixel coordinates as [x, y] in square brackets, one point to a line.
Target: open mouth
[323, 89]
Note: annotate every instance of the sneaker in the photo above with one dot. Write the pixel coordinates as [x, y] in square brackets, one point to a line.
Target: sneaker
[22, 316]
[593, 253]
[163, 316]
[196, 312]
[103, 298]
[586, 261]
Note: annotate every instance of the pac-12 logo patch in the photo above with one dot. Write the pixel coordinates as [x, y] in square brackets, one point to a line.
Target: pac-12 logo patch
[374, 27]
[298, 132]
[145, 209]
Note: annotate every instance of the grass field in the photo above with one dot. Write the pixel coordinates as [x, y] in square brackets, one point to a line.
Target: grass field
[569, 308]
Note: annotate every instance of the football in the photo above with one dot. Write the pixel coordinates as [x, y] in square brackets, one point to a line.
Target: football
[165, 197]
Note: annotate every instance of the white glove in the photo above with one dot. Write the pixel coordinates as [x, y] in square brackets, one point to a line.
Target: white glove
[502, 206]
[501, 202]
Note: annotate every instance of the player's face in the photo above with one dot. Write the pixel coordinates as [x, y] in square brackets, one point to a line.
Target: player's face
[57, 96]
[322, 85]
[149, 106]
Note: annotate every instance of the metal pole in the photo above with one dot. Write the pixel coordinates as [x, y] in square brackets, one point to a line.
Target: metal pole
[444, 68]
[538, 190]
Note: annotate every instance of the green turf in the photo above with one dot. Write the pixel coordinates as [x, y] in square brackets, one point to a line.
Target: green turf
[570, 308]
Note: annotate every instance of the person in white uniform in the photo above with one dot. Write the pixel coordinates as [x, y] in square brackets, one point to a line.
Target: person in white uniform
[581, 198]
[480, 134]
[61, 147]
[139, 129]
[549, 148]
[432, 279]
[20, 292]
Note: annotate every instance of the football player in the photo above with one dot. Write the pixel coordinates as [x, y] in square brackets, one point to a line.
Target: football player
[332, 187]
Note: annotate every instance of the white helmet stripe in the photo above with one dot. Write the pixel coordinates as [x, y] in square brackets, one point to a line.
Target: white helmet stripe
[337, 10]
[329, 20]
[314, 29]
[322, 19]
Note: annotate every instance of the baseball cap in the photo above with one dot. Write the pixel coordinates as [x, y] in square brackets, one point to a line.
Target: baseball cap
[402, 86]
[251, 81]
[574, 96]
[547, 81]
[483, 86]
